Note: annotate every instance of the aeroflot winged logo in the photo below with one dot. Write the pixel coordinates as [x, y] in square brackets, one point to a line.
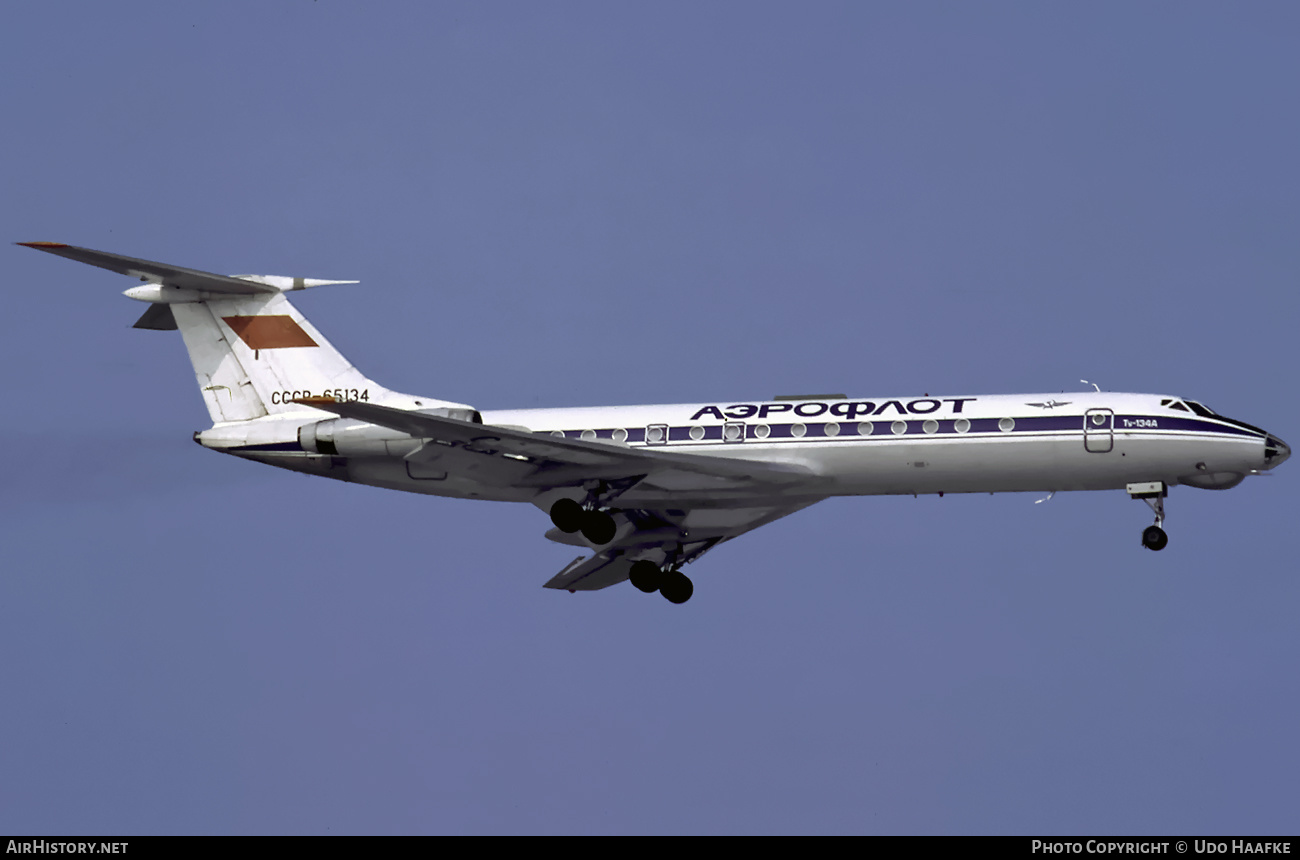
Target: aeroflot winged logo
[1051, 404]
[274, 331]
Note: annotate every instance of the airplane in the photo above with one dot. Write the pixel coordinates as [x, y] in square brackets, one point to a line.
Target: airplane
[646, 490]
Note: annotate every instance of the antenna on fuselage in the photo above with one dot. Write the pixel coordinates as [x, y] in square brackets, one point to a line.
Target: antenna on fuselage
[1093, 384]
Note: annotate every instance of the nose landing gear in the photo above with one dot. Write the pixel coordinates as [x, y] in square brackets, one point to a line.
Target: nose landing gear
[1153, 493]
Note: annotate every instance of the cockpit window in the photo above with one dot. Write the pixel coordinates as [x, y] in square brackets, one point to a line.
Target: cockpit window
[1203, 411]
[1174, 404]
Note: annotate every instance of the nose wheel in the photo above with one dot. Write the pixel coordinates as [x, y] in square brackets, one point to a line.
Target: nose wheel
[1153, 493]
[1154, 537]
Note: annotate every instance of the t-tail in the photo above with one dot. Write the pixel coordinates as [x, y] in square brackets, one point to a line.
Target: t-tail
[253, 353]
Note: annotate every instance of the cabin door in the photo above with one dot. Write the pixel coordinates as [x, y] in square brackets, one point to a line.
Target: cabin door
[1098, 431]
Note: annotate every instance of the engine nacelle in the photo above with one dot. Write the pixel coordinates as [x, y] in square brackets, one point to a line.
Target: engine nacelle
[348, 437]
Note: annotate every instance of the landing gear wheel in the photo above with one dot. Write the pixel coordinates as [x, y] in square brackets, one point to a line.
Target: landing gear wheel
[646, 575]
[1154, 538]
[598, 527]
[676, 587]
[567, 515]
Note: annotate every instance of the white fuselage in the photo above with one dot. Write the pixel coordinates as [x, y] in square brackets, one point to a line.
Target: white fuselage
[859, 446]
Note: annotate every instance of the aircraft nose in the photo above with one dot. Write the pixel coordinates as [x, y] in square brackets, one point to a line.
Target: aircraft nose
[1276, 451]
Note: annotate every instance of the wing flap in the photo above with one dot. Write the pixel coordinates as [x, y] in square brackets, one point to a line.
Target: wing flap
[591, 573]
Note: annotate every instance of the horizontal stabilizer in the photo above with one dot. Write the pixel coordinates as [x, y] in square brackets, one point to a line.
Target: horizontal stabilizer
[156, 273]
[157, 318]
[180, 277]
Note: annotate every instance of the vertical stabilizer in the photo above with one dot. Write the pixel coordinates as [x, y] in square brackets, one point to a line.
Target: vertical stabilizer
[254, 355]
[253, 352]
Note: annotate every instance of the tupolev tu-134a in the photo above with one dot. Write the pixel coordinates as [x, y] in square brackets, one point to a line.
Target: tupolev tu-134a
[648, 489]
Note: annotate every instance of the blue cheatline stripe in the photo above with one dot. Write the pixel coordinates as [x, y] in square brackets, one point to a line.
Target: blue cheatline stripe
[982, 428]
[979, 427]
[1194, 425]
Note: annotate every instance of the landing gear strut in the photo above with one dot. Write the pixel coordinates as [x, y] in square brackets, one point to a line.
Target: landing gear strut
[1153, 493]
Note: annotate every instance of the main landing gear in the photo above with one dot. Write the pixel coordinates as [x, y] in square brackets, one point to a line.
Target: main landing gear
[1153, 493]
[596, 525]
[675, 586]
[599, 527]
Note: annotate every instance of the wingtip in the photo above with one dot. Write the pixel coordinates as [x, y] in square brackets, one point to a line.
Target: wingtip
[41, 244]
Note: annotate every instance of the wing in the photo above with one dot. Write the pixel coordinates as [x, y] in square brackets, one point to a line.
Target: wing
[698, 532]
[554, 462]
[673, 522]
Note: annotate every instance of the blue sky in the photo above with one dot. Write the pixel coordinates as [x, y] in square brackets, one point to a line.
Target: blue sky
[587, 203]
